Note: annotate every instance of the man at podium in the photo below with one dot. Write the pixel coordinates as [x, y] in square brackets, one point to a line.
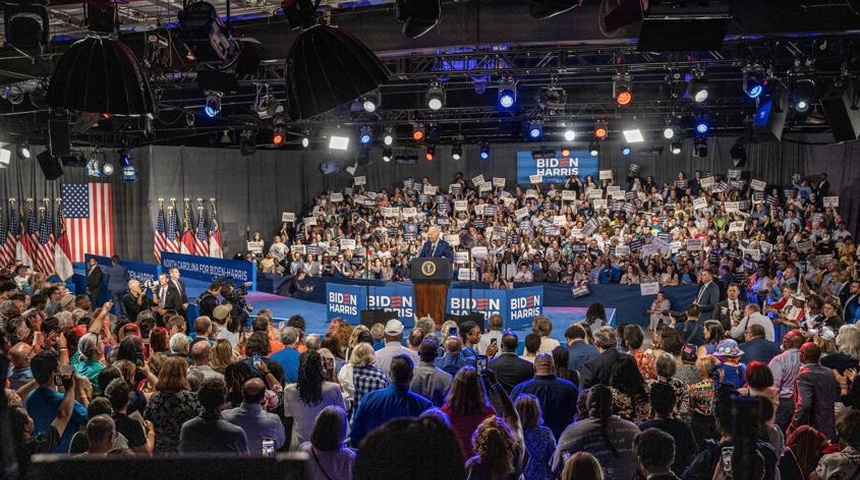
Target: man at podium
[435, 246]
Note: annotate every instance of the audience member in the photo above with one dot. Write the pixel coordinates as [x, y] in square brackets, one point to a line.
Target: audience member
[557, 397]
[305, 399]
[510, 369]
[428, 380]
[209, 432]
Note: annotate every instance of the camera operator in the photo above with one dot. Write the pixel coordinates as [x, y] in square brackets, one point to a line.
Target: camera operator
[208, 300]
[136, 301]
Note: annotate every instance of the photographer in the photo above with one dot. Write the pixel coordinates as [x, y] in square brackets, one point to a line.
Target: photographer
[208, 300]
[136, 301]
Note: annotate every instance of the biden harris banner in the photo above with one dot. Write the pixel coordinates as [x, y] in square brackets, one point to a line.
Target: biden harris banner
[556, 169]
[347, 301]
[142, 272]
[208, 268]
[518, 307]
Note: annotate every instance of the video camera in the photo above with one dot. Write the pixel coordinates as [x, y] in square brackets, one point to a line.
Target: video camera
[232, 292]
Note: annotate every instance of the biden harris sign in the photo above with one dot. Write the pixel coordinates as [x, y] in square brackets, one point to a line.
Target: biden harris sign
[556, 169]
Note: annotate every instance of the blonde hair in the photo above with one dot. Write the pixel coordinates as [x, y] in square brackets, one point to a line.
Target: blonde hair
[446, 327]
[362, 355]
[222, 355]
[848, 340]
[582, 466]
[705, 364]
[353, 337]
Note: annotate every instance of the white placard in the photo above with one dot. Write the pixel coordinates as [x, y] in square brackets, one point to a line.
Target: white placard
[390, 211]
[478, 180]
[466, 274]
[521, 213]
[255, 247]
[302, 249]
[618, 195]
[694, 245]
[568, 195]
[622, 250]
[535, 179]
[508, 201]
[755, 254]
[733, 207]
[461, 257]
[613, 188]
[309, 221]
[599, 203]
[336, 197]
[430, 189]
[700, 203]
[605, 174]
[453, 240]
[675, 246]
[736, 226]
[410, 212]
[498, 182]
[765, 247]
[707, 182]
[831, 201]
[362, 180]
[485, 187]
[758, 185]
[347, 244]
[480, 253]
[650, 288]
[479, 209]
[595, 193]
[559, 220]
[461, 205]
[804, 246]
[288, 217]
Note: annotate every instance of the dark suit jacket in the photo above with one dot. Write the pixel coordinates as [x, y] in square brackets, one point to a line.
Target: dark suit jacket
[691, 332]
[760, 349]
[708, 301]
[175, 298]
[598, 370]
[95, 281]
[815, 393]
[443, 250]
[725, 318]
[511, 370]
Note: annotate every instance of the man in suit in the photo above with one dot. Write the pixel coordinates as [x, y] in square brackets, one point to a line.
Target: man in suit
[580, 351]
[731, 310]
[598, 370]
[844, 292]
[851, 310]
[176, 298]
[757, 347]
[95, 282]
[708, 296]
[435, 246]
[117, 284]
[510, 369]
[691, 330]
[815, 393]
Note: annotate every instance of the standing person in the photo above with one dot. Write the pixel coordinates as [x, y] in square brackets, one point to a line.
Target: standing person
[176, 297]
[117, 280]
[43, 404]
[430, 381]
[393, 345]
[307, 397]
[172, 404]
[136, 301]
[494, 334]
[816, 391]
[467, 405]
[599, 369]
[663, 405]
[510, 369]
[581, 352]
[436, 247]
[785, 368]
[655, 450]
[257, 423]
[209, 432]
[708, 296]
[330, 458]
[557, 396]
[846, 462]
[539, 440]
[730, 311]
[95, 282]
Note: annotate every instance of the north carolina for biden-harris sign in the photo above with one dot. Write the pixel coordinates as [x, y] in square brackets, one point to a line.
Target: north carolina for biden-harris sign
[556, 169]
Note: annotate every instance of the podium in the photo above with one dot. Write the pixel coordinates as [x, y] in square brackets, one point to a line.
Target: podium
[431, 277]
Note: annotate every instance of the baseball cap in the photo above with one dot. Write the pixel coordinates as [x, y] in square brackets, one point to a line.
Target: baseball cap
[394, 327]
[221, 312]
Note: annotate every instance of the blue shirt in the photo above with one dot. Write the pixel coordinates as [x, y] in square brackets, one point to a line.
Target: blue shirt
[18, 377]
[379, 406]
[43, 404]
[609, 275]
[557, 399]
[580, 353]
[288, 358]
[452, 363]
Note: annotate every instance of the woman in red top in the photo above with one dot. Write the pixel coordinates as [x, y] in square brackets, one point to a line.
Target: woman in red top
[467, 405]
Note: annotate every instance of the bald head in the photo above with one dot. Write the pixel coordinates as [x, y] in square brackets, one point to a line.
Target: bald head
[253, 391]
[101, 433]
[201, 352]
[452, 345]
[20, 354]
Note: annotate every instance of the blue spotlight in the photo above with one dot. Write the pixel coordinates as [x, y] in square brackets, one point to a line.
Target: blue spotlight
[507, 93]
[366, 135]
[626, 150]
[701, 125]
[535, 130]
[213, 103]
[485, 151]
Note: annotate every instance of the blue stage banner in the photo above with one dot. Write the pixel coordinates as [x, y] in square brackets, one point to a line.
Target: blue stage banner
[207, 268]
[394, 298]
[524, 304]
[143, 272]
[556, 170]
[486, 302]
[346, 302]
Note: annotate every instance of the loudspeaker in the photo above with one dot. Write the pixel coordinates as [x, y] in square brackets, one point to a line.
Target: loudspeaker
[842, 111]
[51, 166]
[58, 136]
[372, 317]
[770, 116]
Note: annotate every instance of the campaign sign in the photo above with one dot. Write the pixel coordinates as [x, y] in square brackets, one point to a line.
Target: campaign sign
[580, 163]
[486, 302]
[393, 298]
[524, 304]
[208, 268]
[345, 301]
[143, 272]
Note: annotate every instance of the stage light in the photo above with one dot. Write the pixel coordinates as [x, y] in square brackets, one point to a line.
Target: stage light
[552, 98]
[594, 149]
[213, 103]
[535, 129]
[205, 35]
[248, 141]
[700, 147]
[701, 125]
[388, 138]
[94, 164]
[456, 152]
[754, 83]
[601, 130]
[669, 132]
[698, 86]
[569, 135]
[622, 90]
[626, 150]
[365, 135]
[435, 97]
[633, 135]
[386, 155]
[129, 172]
[485, 151]
[107, 169]
[418, 133]
[430, 154]
[278, 135]
[370, 102]
[507, 93]
[24, 152]
[565, 152]
[803, 94]
[338, 142]
[676, 147]
[306, 138]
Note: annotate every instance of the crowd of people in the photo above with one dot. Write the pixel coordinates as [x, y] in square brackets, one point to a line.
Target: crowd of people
[755, 379]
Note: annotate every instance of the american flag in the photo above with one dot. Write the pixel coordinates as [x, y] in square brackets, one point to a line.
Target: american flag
[88, 208]
[201, 243]
[216, 247]
[160, 241]
[45, 245]
[6, 256]
[186, 244]
[62, 249]
[172, 244]
[13, 233]
[29, 237]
